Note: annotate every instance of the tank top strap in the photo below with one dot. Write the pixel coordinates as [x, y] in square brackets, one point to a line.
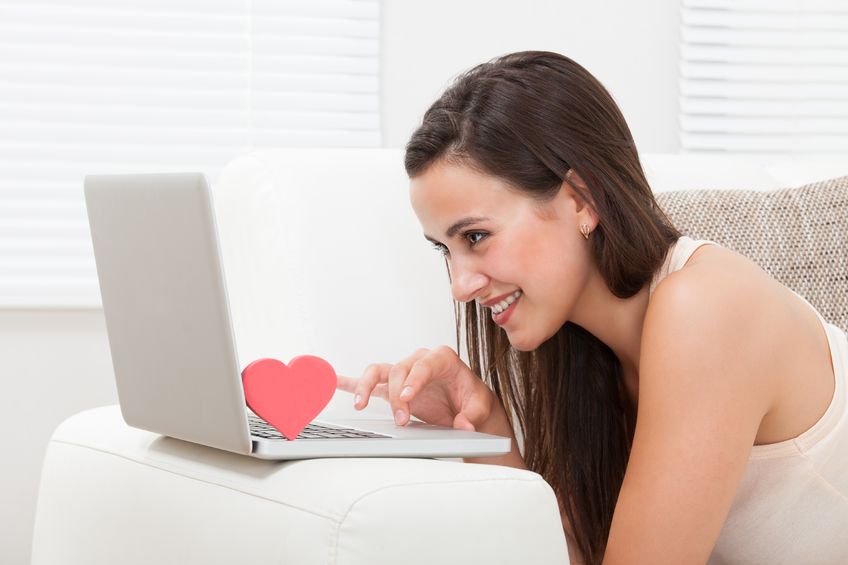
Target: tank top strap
[676, 257]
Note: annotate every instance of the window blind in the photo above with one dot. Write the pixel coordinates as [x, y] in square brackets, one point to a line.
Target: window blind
[764, 76]
[98, 86]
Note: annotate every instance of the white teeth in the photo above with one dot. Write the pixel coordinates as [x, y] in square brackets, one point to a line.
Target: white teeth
[505, 303]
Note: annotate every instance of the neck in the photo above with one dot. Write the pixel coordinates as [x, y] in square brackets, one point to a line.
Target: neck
[617, 323]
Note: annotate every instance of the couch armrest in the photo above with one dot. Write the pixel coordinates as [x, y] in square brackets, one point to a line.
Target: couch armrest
[115, 494]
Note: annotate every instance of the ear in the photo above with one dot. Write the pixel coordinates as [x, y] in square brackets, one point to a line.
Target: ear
[576, 188]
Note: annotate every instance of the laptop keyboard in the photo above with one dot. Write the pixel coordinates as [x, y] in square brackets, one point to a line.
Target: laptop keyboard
[261, 428]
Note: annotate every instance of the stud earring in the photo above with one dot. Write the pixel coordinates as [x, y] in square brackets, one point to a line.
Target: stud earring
[584, 229]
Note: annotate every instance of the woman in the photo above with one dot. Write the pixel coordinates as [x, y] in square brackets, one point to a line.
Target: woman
[651, 375]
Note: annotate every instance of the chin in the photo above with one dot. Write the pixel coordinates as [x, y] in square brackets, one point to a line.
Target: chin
[520, 343]
[529, 342]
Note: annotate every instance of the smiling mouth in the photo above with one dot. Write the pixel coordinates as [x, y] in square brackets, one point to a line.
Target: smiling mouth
[506, 302]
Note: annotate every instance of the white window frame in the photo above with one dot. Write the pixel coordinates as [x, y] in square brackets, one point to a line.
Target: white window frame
[764, 77]
[98, 86]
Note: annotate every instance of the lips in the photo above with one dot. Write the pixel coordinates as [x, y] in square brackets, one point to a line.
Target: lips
[501, 317]
[503, 302]
[497, 299]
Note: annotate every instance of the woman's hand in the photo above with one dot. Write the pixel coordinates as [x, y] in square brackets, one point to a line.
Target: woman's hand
[435, 386]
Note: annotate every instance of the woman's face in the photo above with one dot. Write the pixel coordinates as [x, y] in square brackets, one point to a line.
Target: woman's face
[501, 243]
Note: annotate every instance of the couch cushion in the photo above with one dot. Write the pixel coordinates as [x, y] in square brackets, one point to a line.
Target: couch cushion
[797, 235]
[111, 493]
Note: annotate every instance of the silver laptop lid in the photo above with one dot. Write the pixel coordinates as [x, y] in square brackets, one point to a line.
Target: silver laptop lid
[165, 303]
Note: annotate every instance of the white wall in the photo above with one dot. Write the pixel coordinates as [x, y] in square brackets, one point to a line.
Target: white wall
[631, 47]
[56, 363]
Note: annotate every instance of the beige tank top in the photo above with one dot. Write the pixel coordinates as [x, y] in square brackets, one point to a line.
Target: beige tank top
[792, 504]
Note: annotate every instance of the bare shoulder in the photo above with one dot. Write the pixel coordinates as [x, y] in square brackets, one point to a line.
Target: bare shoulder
[712, 265]
[719, 309]
[745, 314]
[719, 285]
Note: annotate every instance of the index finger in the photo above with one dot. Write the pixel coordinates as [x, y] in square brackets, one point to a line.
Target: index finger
[347, 384]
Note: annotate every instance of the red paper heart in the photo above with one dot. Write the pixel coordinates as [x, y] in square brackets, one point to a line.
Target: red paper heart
[288, 397]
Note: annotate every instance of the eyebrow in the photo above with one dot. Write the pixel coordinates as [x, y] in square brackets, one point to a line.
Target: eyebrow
[464, 222]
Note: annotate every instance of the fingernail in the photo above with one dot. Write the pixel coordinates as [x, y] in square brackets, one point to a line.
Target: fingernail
[406, 392]
[399, 416]
[357, 399]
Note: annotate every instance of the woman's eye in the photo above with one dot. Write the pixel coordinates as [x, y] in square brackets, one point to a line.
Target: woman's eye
[441, 249]
[472, 237]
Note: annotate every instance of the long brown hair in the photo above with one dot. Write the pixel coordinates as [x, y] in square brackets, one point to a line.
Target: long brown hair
[528, 118]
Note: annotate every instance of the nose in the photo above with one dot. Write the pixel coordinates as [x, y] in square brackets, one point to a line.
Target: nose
[467, 282]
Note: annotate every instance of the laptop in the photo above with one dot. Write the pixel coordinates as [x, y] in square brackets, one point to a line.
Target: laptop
[170, 333]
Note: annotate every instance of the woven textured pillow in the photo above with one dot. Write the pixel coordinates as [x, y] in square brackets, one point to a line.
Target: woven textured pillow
[797, 235]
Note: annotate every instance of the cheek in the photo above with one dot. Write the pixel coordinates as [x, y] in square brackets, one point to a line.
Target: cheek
[547, 260]
[530, 252]
[555, 273]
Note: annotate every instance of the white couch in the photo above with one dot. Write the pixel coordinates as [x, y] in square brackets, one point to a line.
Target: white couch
[323, 255]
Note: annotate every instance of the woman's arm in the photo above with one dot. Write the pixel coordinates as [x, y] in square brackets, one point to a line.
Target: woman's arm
[703, 389]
